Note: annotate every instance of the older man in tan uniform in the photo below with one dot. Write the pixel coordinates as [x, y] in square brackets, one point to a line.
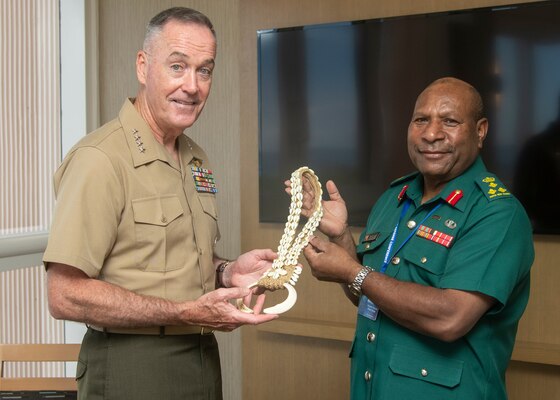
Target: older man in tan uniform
[131, 249]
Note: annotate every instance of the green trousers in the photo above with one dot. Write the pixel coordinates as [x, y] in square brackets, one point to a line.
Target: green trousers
[115, 366]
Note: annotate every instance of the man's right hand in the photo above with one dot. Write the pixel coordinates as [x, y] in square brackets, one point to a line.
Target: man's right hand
[76, 297]
[215, 310]
[335, 215]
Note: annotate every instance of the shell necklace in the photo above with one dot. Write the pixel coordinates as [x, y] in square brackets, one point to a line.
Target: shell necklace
[285, 270]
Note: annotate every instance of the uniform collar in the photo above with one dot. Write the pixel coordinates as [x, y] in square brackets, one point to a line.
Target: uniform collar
[144, 148]
[189, 152]
[455, 193]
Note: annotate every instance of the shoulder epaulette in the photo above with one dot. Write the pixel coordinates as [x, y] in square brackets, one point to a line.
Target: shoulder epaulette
[492, 187]
[404, 178]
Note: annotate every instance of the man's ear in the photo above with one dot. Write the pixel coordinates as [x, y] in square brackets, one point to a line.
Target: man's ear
[141, 66]
[481, 131]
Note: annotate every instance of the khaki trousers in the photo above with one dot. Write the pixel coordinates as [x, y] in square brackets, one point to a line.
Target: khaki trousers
[116, 366]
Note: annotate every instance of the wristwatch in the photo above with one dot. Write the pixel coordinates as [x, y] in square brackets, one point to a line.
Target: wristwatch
[356, 286]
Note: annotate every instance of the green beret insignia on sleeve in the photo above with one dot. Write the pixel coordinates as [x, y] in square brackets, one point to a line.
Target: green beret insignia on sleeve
[492, 187]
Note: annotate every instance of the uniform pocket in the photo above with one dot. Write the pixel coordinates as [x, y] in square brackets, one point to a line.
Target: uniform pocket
[208, 202]
[372, 243]
[412, 371]
[429, 257]
[154, 219]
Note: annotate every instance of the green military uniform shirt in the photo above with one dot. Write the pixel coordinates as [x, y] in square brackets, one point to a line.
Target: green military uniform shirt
[478, 240]
[129, 214]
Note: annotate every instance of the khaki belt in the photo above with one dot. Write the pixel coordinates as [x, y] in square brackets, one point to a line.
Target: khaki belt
[158, 330]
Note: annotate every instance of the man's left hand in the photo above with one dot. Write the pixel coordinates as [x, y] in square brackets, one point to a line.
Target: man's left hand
[248, 268]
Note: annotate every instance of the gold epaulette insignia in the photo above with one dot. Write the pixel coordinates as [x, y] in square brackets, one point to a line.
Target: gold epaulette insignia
[493, 188]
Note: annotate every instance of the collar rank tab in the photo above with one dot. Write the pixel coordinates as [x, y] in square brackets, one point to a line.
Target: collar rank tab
[454, 197]
[402, 193]
[203, 180]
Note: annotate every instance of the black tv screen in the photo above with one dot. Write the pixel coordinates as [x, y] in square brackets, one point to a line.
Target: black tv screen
[338, 98]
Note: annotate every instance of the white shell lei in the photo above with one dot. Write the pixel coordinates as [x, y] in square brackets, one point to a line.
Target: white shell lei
[290, 250]
[285, 271]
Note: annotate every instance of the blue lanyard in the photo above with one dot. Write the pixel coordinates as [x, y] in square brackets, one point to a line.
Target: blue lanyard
[388, 255]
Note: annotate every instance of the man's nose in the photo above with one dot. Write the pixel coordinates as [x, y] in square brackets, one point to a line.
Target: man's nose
[433, 131]
[190, 82]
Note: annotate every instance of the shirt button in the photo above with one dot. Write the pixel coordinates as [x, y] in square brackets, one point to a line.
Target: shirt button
[411, 224]
[367, 376]
[367, 246]
[423, 260]
[163, 219]
[395, 260]
[424, 372]
[370, 337]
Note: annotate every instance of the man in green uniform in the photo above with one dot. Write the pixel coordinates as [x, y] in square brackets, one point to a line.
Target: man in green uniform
[441, 272]
[131, 249]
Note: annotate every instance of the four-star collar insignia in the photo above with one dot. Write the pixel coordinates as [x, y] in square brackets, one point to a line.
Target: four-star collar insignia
[138, 140]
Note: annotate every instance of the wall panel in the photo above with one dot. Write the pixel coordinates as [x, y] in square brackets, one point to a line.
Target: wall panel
[29, 155]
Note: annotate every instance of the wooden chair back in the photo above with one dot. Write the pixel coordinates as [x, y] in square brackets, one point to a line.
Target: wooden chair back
[39, 353]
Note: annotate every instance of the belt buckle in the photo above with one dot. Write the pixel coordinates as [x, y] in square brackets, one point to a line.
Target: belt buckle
[206, 331]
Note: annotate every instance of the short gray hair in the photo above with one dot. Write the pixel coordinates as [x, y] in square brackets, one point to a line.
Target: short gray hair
[181, 14]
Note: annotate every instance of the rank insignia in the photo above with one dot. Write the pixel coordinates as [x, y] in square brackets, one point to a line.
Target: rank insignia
[454, 197]
[434, 236]
[493, 188]
[138, 141]
[401, 194]
[203, 180]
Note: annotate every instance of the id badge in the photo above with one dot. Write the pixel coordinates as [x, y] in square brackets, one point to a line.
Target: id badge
[367, 309]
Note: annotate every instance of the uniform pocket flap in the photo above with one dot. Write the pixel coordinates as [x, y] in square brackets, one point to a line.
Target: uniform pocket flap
[208, 202]
[426, 366]
[371, 241]
[157, 210]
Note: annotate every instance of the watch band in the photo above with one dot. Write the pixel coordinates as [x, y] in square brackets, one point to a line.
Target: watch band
[219, 270]
[356, 286]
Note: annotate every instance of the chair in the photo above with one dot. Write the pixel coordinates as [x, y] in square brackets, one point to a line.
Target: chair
[42, 353]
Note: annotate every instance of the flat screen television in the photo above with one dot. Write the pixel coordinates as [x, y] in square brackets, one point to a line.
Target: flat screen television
[338, 98]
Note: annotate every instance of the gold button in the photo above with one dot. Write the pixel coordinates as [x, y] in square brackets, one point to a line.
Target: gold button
[411, 224]
[370, 337]
[163, 219]
[367, 376]
[367, 246]
[424, 372]
[423, 260]
[395, 260]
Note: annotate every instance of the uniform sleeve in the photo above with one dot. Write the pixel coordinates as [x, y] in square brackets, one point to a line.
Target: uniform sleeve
[495, 252]
[89, 203]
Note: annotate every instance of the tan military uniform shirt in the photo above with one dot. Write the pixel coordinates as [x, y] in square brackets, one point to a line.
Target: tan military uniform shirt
[129, 214]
